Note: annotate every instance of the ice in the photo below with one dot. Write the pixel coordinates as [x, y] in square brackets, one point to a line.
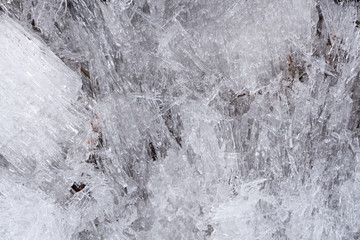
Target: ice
[176, 119]
[40, 118]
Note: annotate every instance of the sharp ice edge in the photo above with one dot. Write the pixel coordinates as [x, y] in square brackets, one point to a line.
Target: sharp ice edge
[179, 119]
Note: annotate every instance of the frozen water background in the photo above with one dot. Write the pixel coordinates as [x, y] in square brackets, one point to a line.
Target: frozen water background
[179, 119]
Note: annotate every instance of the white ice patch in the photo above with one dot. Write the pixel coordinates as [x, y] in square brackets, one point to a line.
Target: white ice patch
[38, 121]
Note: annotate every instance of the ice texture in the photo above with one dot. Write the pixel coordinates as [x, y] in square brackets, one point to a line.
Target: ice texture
[179, 119]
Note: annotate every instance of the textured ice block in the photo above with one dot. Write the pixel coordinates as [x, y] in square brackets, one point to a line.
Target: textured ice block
[39, 119]
[37, 94]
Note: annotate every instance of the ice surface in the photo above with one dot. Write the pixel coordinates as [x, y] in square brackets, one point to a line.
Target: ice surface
[40, 119]
[176, 119]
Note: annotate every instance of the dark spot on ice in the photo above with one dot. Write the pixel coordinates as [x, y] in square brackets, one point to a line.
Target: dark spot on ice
[34, 27]
[69, 4]
[97, 161]
[209, 230]
[146, 8]
[96, 222]
[100, 141]
[174, 125]
[85, 72]
[357, 22]
[78, 187]
[152, 152]
[56, 24]
[178, 140]
[242, 95]
[3, 161]
[319, 25]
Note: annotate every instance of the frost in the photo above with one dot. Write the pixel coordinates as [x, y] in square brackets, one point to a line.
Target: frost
[179, 119]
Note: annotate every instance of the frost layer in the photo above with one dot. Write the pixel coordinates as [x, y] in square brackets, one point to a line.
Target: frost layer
[195, 120]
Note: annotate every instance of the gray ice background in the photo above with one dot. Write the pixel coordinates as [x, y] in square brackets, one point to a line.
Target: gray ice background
[179, 119]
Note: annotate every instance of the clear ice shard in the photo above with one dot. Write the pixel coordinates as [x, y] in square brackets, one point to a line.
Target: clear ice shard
[179, 119]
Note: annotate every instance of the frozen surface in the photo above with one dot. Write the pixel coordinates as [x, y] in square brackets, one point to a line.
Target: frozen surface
[179, 119]
[39, 122]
